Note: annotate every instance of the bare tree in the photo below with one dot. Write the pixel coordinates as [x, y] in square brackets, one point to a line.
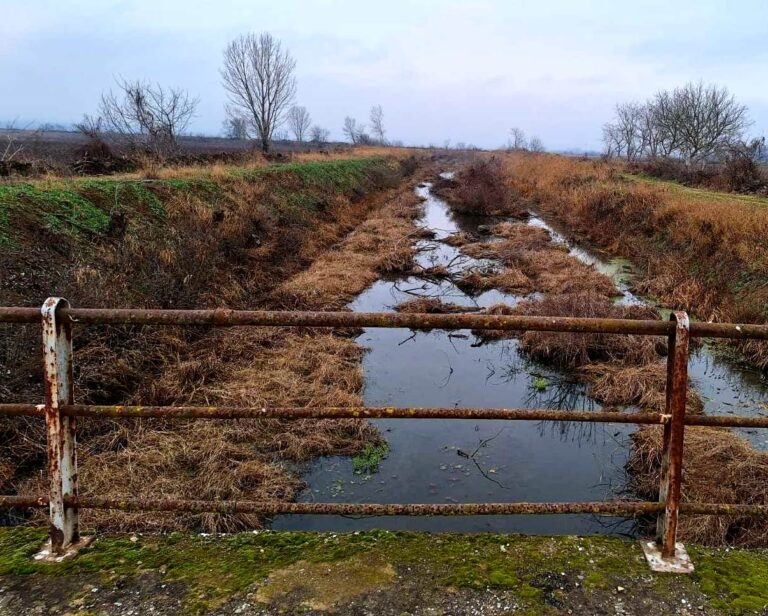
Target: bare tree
[709, 120]
[742, 165]
[299, 122]
[235, 125]
[611, 141]
[516, 139]
[536, 145]
[11, 147]
[377, 124]
[319, 135]
[147, 115]
[353, 131]
[258, 76]
[91, 126]
[628, 119]
[695, 122]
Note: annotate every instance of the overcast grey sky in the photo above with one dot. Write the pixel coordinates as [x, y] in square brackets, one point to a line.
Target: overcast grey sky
[465, 71]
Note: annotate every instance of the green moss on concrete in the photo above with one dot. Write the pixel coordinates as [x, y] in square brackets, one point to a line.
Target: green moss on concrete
[736, 581]
[539, 571]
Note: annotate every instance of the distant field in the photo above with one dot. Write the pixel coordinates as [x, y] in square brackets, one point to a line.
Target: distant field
[62, 147]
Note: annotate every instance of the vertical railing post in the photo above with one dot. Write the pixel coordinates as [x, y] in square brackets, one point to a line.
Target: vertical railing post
[674, 429]
[62, 456]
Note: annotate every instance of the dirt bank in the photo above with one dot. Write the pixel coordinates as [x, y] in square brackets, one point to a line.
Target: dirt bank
[373, 573]
[286, 219]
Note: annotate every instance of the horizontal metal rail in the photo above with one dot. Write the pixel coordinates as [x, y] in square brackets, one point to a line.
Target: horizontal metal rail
[381, 412]
[229, 318]
[58, 318]
[270, 508]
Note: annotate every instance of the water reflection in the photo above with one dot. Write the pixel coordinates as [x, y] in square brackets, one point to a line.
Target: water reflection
[437, 461]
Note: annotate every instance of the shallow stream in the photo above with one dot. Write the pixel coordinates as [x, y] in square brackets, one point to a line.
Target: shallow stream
[454, 461]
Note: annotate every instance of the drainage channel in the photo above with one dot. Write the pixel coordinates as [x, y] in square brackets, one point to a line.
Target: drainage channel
[447, 461]
[438, 461]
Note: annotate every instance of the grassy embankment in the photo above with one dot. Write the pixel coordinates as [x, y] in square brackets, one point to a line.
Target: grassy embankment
[234, 239]
[697, 251]
[375, 572]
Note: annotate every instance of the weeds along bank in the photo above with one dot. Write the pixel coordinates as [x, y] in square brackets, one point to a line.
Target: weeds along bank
[619, 371]
[696, 250]
[239, 241]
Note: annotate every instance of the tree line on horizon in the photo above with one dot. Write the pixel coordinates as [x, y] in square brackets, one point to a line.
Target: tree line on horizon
[258, 76]
[693, 124]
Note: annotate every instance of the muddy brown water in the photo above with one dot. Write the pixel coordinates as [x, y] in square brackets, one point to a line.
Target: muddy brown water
[450, 461]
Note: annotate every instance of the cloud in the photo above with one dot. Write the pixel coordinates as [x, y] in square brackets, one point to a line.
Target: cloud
[441, 69]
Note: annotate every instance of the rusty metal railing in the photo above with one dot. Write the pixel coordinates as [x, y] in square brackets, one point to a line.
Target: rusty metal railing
[60, 413]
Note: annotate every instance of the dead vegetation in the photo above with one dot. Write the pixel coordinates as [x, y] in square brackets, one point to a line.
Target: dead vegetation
[382, 244]
[479, 190]
[572, 350]
[699, 251]
[718, 467]
[641, 385]
[228, 460]
[431, 305]
[241, 366]
[532, 262]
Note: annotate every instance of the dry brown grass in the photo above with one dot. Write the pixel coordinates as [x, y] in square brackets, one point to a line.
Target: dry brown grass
[154, 169]
[255, 367]
[230, 459]
[243, 366]
[698, 250]
[575, 349]
[512, 280]
[518, 238]
[384, 243]
[431, 305]
[533, 263]
[642, 385]
[718, 467]
[458, 239]
[579, 349]
[479, 189]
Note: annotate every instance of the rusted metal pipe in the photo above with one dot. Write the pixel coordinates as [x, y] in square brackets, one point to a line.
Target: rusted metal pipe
[726, 421]
[16, 314]
[737, 331]
[205, 412]
[24, 502]
[674, 432]
[60, 429]
[29, 410]
[622, 508]
[236, 412]
[225, 317]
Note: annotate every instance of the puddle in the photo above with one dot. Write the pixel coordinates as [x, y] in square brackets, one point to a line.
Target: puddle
[453, 461]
